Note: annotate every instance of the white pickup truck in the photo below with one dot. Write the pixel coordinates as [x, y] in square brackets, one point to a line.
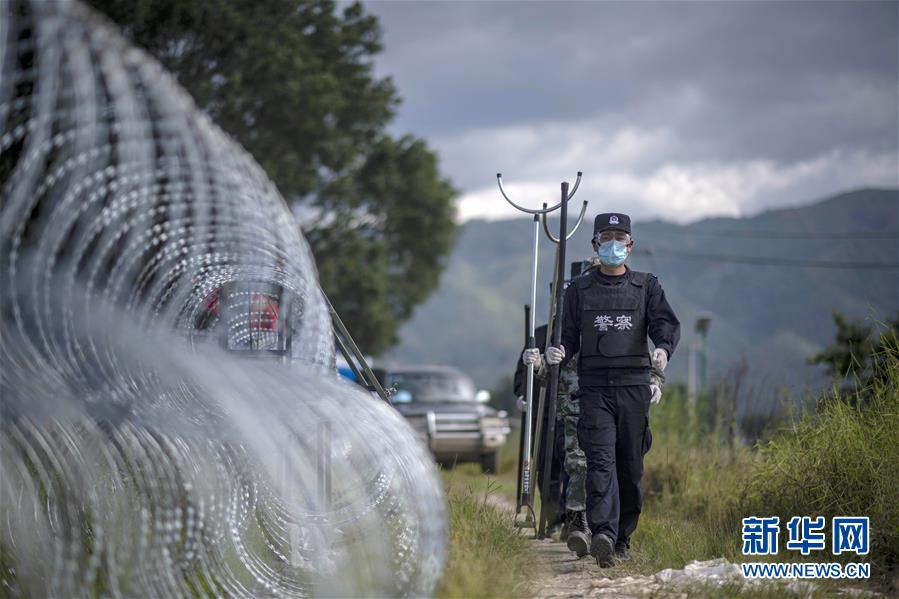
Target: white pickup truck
[442, 404]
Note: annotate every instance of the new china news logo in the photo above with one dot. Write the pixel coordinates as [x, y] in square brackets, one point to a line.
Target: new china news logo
[848, 535]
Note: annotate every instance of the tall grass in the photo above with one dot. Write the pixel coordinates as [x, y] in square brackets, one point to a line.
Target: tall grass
[488, 557]
[843, 460]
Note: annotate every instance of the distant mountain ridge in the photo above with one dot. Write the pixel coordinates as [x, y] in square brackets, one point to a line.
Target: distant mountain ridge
[770, 311]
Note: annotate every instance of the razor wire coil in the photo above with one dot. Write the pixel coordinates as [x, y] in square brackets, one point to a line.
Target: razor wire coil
[149, 270]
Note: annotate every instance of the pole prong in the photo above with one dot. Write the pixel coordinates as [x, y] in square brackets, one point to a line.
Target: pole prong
[576, 185]
[499, 182]
[574, 229]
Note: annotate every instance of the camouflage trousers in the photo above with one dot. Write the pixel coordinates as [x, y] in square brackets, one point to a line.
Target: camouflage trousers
[575, 461]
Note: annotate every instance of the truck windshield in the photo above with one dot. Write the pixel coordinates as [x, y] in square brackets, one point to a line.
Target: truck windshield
[434, 386]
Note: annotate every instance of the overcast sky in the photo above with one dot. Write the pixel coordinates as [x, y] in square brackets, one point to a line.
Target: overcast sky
[672, 110]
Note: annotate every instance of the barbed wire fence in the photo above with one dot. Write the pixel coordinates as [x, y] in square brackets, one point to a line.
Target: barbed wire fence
[172, 424]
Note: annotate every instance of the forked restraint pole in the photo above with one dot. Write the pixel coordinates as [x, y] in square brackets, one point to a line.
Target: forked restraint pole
[546, 509]
[524, 500]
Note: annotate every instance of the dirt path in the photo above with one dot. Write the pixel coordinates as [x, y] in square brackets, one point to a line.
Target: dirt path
[559, 573]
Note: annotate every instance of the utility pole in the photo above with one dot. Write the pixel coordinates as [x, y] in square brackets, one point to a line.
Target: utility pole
[692, 348]
[696, 369]
[702, 329]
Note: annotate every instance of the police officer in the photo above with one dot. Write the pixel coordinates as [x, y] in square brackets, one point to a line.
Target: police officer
[557, 482]
[567, 454]
[576, 533]
[607, 315]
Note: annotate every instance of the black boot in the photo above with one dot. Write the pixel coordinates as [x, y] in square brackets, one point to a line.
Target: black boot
[602, 548]
[621, 552]
[578, 533]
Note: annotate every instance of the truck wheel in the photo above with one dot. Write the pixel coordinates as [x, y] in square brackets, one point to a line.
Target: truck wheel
[490, 463]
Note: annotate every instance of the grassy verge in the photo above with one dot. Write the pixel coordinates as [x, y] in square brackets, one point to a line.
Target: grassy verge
[840, 461]
[501, 484]
[487, 555]
[843, 461]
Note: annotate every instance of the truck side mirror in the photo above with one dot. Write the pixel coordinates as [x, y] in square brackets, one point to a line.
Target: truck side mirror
[482, 396]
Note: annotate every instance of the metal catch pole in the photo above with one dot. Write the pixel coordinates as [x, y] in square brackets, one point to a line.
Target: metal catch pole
[545, 507]
[525, 498]
[524, 416]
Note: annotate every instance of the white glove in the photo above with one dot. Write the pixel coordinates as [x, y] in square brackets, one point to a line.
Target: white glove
[656, 394]
[521, 404]
[554, 355]
[531, 356]
[660, 359]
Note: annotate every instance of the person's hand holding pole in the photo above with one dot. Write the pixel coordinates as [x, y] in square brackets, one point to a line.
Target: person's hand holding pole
[555, 355]
[532, 356]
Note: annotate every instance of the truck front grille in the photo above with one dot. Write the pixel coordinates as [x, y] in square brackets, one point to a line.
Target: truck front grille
[458, 425]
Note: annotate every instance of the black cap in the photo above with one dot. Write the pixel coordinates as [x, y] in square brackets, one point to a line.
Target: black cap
[612, 221]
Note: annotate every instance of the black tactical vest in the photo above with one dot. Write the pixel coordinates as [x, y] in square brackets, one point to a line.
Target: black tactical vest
[613, 322]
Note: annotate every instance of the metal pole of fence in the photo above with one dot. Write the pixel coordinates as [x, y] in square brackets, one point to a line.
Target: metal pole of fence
[323, 469]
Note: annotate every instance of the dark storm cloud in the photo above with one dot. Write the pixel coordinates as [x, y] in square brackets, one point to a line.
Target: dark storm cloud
[721, 82]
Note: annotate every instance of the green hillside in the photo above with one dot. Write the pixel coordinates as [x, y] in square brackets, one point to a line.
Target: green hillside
[773, 315]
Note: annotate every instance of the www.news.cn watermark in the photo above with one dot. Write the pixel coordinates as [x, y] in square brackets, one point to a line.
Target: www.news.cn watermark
[806, 570]
[848, 535]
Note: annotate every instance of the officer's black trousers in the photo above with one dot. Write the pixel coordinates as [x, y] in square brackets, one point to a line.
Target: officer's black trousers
[613, 432]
